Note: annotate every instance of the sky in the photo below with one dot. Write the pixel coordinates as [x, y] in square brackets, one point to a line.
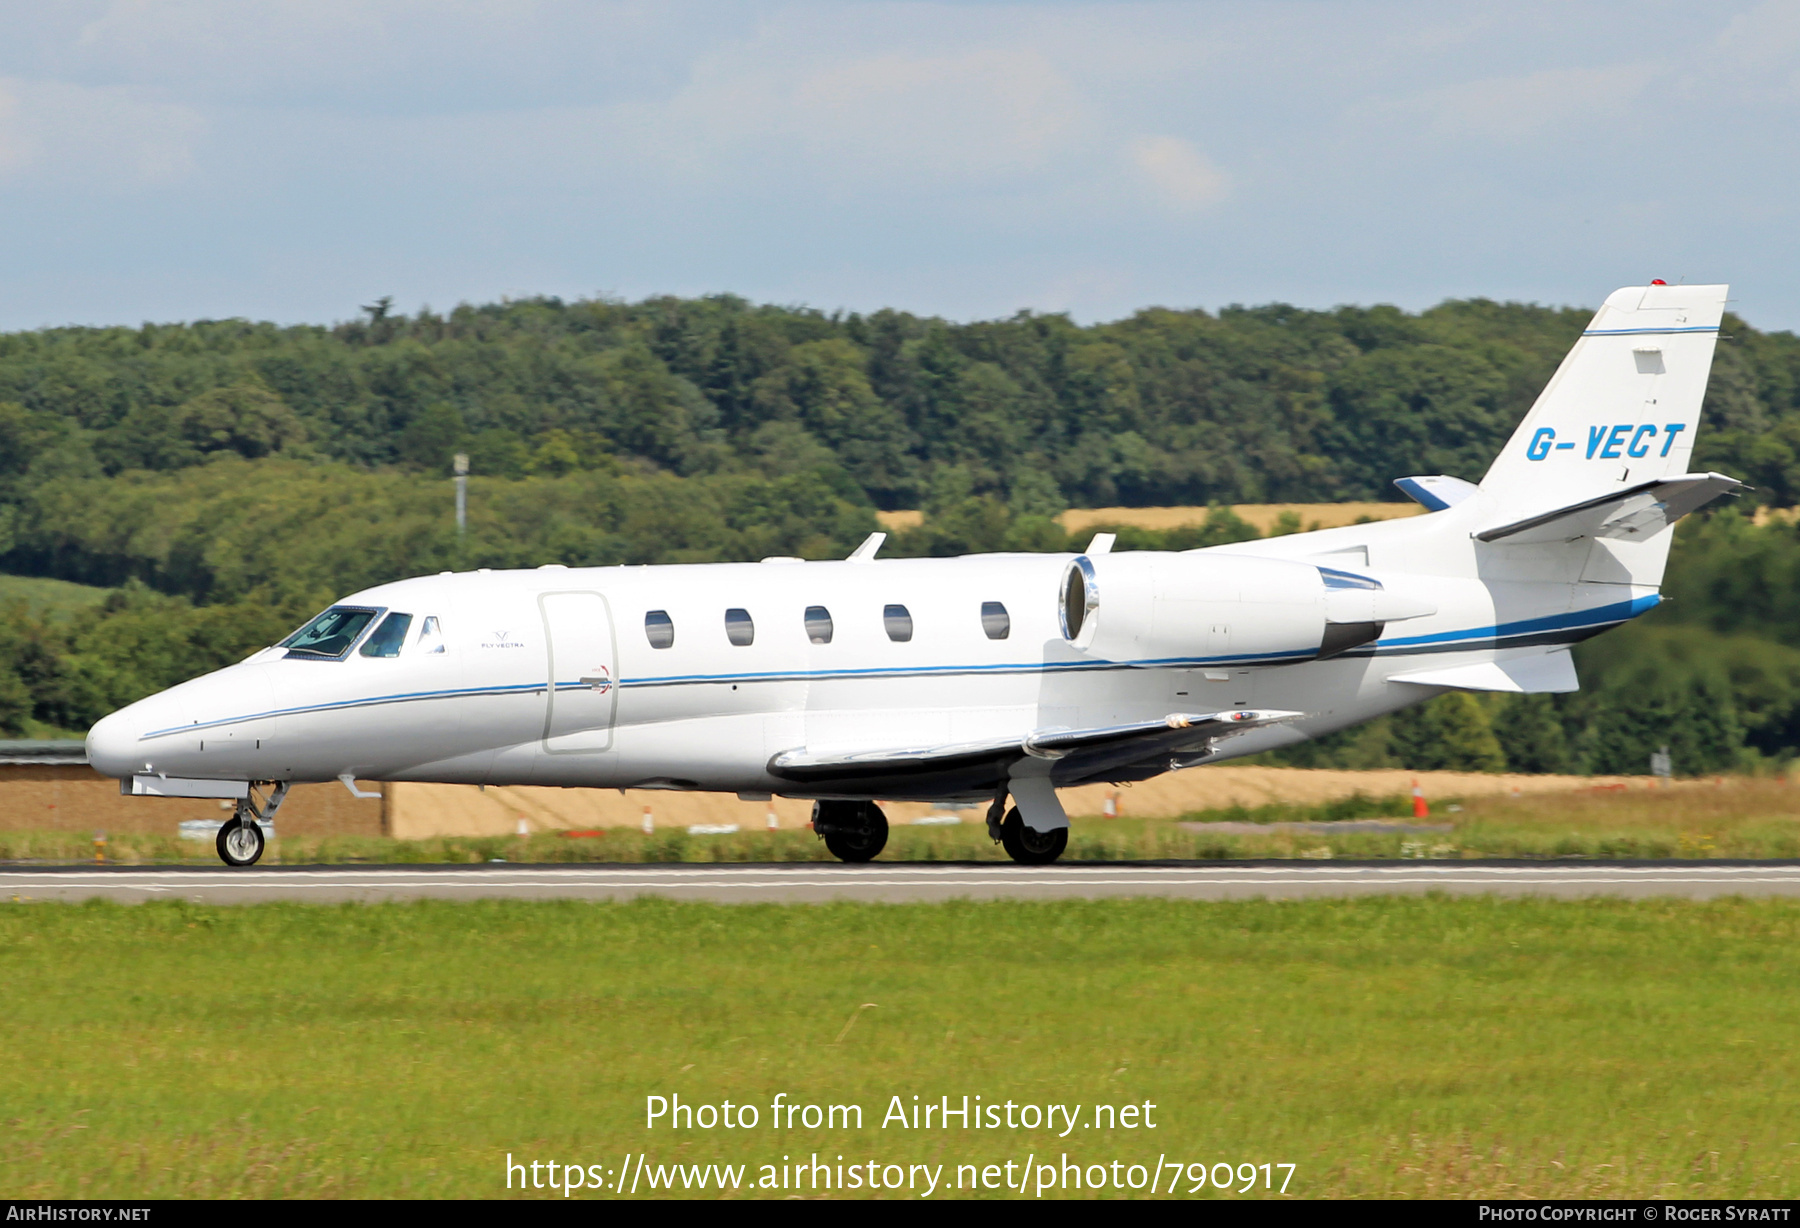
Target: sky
[293, 159]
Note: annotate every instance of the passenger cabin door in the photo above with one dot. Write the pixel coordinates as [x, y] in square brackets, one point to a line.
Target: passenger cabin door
[583, 691]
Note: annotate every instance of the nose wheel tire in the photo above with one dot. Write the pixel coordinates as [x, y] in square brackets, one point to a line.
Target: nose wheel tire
[240, 843]
[853, 831]
[1028, 846]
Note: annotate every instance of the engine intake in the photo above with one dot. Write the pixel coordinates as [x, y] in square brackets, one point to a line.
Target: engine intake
[1080, 598]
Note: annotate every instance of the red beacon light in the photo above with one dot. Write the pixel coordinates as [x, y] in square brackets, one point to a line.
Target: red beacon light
[1657, 281]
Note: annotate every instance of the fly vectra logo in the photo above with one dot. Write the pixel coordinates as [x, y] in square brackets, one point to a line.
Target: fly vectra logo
[502, 639]
[1608, 442]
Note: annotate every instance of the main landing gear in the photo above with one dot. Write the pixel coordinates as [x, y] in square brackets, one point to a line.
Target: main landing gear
[240, 841]
[857, 831]
[1025, 845]
[853, 831]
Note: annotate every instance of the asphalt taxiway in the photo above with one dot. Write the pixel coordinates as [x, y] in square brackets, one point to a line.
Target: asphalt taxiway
[897, 883]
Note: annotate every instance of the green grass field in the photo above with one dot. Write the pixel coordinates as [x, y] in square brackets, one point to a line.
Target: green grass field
[49, 598]
[1385, 1046]
[1742, 818]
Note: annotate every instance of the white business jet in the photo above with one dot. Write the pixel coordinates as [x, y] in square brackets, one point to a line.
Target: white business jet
[980, 678]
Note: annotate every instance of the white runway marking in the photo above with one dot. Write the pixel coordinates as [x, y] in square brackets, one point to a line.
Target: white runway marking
[815, 883]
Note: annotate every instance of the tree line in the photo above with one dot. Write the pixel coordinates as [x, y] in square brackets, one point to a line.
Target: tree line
[1251, 404]
[228, 478]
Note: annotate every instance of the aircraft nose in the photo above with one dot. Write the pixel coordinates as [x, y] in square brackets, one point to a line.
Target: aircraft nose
[112, 747]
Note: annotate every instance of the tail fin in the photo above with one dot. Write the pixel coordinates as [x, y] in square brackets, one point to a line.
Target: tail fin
[1622, 408]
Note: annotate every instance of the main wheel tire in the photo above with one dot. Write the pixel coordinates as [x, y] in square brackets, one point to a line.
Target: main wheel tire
[240, 843]
[853, 831]
[1028, 846]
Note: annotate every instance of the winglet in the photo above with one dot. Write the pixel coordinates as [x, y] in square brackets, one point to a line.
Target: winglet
[1102, 543]
[865, 553]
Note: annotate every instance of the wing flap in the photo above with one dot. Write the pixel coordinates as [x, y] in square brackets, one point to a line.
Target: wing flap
[1129, 741]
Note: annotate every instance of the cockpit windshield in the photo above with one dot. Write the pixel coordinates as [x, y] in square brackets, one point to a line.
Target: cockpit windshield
[386, 639]
[330, 636]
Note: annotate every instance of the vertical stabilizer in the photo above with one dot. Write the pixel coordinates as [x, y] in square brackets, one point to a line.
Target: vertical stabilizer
[1622, 408]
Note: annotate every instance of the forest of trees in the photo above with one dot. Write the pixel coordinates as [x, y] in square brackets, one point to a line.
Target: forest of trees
[227, 477]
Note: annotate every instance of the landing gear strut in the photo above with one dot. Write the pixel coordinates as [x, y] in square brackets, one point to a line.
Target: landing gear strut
[240, 841]
[853, 831]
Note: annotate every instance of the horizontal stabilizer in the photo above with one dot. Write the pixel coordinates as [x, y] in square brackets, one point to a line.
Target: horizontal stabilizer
[1177, 731]
[1436, 493]
[1635, 513]
[1540, 673]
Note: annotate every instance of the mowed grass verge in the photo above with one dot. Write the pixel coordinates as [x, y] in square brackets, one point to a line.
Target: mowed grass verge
[1387, 1046]
[1739, 818]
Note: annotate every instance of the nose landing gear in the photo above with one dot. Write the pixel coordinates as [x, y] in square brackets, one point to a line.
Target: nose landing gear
[240, 841]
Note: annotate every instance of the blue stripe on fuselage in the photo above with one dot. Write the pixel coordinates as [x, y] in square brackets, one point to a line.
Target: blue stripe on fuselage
[1585, 620]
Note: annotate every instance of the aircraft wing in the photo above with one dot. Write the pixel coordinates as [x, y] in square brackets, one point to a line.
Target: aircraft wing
[1077, 754]
[1635, 513]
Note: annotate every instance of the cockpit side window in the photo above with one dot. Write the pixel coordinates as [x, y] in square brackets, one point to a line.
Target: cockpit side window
[387, 639]
[431, 635]
[331, 635]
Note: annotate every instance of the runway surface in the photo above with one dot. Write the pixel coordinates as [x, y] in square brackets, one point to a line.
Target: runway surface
[818, 883]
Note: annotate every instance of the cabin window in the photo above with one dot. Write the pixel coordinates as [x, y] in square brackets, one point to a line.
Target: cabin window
[898, 623]
[995, 621]
[739, 629]
[659, 629]
[431, 635]
[388, 637]
[330, 636]
[818, 624]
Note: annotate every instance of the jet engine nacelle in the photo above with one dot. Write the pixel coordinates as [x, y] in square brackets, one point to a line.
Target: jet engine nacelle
[1228, 609]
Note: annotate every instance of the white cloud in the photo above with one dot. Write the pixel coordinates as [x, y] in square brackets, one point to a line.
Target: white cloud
[107, 137]
[997, 108]
[1521, 107]
[396, 56]
[1180, 175]
[857, 121]
[1757, 55]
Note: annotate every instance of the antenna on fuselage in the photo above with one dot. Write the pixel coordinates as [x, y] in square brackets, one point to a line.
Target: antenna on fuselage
[865, 553]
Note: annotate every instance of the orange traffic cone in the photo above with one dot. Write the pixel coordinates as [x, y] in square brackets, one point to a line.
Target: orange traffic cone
[1420, 809]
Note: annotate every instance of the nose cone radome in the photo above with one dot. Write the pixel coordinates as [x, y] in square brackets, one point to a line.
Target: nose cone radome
[112, 744]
